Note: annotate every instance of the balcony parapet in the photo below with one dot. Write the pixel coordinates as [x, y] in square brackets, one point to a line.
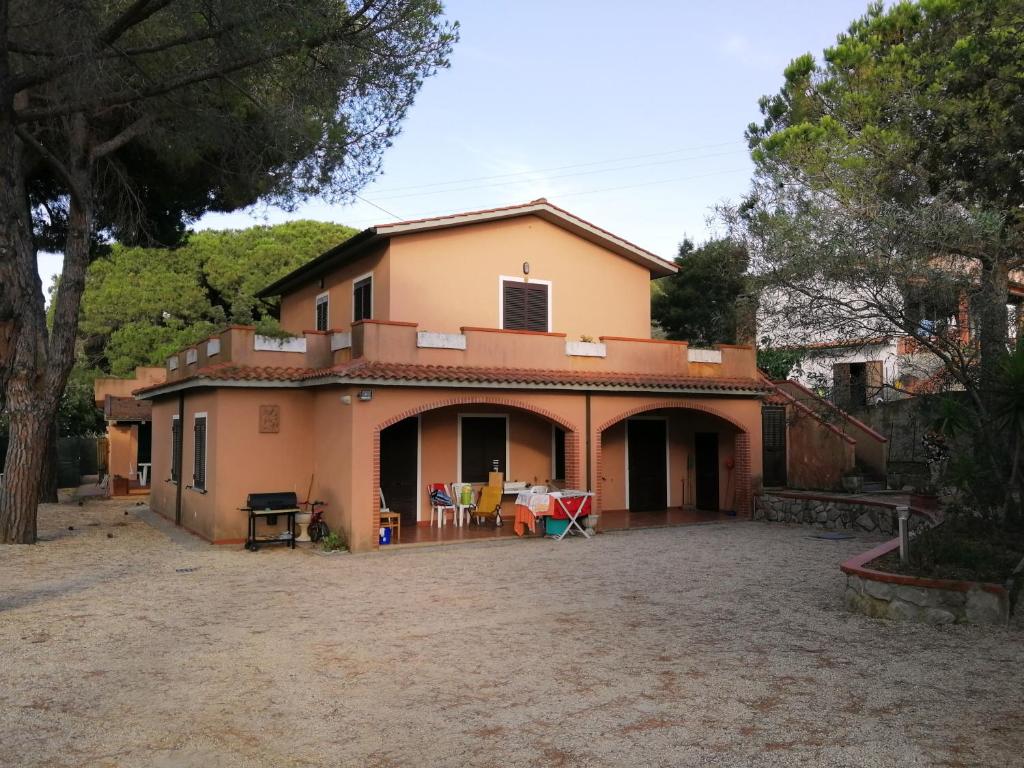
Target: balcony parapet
[399, 342]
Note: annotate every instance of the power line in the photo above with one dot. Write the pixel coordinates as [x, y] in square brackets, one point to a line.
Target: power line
[552, 178]
[358, 222]
[559, 167]
[378, 207]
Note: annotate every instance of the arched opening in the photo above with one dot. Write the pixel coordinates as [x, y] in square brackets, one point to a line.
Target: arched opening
[464, 442]
[667, 464]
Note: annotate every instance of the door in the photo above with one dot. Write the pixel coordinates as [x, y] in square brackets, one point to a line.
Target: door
[706, 470]
[773, 435]
[144, 450]
[647, 465]
[398, 463]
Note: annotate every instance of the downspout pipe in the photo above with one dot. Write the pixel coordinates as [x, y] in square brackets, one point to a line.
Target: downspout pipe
[176, 459]
[590, 479]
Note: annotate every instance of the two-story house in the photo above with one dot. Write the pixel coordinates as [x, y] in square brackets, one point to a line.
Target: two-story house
[441, 349]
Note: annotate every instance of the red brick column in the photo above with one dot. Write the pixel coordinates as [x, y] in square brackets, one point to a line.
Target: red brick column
[744, 488]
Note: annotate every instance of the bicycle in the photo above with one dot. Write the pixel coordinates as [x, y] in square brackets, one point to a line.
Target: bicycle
[318, 528]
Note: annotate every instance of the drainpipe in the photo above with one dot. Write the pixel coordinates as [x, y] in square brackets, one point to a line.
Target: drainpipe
[590, 483]
[176, 460]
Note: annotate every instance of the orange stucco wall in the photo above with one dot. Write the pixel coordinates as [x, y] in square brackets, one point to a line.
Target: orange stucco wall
[681, 426]
[298, 309]
[122, 449]
[447, 279]
[328, 436]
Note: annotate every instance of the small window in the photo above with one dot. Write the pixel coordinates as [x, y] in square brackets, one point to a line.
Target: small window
[175, 449]
[323, 316]
[524, 306]
[558, 454]
[362, 299]
[199, 465]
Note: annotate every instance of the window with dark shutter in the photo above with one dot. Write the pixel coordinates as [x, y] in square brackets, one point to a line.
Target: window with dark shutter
[483, 447]
[362, 299]
[524, 306]
[322, 312]
[199, 465]
[175, 449]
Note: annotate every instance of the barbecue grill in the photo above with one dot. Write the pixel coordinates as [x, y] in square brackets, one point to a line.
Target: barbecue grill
[269, 506]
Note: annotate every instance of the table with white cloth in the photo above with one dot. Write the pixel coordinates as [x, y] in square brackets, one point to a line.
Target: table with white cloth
[568, 505]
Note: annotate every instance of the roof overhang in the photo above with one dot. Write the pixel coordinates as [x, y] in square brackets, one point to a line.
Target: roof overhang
[335, 380]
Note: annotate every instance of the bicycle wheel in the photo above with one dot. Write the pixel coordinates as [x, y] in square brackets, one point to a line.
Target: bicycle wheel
[318, 530]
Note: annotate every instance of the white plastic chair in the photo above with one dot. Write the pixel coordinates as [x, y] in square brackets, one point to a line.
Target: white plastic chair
[440, 510]
[463, 511]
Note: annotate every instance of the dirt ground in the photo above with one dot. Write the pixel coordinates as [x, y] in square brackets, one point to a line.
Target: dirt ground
[722, 644]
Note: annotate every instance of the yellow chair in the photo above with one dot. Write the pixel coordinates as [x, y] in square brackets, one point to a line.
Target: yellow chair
[489, 504]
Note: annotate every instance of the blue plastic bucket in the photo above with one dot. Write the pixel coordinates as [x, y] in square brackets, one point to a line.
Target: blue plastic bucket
[385, 535]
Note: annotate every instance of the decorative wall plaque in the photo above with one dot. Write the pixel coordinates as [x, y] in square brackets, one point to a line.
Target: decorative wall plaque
[270, 418]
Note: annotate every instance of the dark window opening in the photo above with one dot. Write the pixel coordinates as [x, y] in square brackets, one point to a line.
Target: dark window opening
[524, 306]
[483, 447]
[559, 454]
[362, 299]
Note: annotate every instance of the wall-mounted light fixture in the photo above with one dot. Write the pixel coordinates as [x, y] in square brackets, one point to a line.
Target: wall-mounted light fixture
[321, 283]
[526, 267]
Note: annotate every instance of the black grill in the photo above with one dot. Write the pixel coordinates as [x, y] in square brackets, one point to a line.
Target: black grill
[277, 500]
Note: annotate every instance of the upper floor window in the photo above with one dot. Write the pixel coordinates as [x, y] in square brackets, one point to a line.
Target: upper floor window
[323, 312]
[525, 306]
[362, 299]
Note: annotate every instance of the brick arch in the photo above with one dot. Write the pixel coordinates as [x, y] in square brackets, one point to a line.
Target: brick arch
[573, 448]
[676, 404]
[743, 487]
[508, 402]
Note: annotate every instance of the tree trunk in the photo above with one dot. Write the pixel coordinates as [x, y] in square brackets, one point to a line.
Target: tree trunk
[48, 479]
[992, 320]
[41, 361]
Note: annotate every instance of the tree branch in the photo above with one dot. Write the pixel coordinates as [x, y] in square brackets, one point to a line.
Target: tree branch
[51, 160]
[115, 143]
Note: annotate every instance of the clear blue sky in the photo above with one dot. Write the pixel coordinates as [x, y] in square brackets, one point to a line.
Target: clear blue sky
[646, 102]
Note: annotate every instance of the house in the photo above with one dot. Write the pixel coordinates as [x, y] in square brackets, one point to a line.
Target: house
[514, 339]
[129, 424]
[882, 363]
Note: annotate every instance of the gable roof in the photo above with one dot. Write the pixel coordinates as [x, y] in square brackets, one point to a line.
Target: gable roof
[358, 244]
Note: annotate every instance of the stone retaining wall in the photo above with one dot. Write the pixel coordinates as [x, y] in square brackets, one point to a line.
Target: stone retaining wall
[886, 595]
[832, 513]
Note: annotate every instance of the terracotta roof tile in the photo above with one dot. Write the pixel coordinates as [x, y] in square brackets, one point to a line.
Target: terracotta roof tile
[126, 409]
[375, 371]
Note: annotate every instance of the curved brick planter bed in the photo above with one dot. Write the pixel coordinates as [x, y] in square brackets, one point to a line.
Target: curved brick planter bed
[909, 598]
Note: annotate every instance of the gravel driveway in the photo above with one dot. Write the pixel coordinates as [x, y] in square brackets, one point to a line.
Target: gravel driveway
[722, 644]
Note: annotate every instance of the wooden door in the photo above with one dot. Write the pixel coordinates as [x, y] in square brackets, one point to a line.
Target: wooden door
[706, 470]
[399, 446]
[647, 465]
[773, 435]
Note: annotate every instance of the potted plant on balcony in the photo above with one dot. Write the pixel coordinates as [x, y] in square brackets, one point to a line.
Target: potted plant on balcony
[853, 480]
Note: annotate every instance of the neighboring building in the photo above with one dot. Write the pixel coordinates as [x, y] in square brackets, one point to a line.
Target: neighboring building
[129, 424]
[856, 372]
[437, 350]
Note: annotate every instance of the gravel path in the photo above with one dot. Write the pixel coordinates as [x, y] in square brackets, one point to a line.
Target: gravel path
[712, 645]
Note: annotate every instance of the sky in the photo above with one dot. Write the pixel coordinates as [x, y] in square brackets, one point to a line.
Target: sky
[630, 115]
